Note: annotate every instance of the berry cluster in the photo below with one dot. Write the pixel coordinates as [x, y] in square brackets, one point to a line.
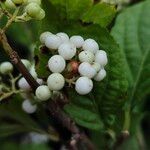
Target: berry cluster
[31, 8]
[74, 61]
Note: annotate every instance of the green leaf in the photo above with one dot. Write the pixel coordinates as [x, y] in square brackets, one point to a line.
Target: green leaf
[41, 63]
[84, 111]
[71, 9]
[11, 129]
[132, 33]
[100, 13]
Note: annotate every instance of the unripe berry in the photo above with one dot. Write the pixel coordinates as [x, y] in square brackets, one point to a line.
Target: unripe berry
[9, 4]
[100, 76]
[26, 63]
[40, 15]
[63, 36]
[33, 9]
[35, 1]
[56, 64]
[67, 51]
[43, 36]
[83, 85]
[28, 107]
[52, 41]
[19, 2]
[96, 66]
[90, 45]
[85, 69]
[6, 68]
[86, 56]
[23, 84]
[77, 40]
[73, 67]
[43, 93]
[55, 81]
[101, 57]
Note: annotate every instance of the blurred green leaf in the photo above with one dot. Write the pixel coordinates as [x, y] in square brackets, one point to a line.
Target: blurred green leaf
[100, 13]
[132, 33]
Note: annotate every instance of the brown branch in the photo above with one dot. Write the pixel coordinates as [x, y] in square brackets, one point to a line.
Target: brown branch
[15, 59]
[68, 123]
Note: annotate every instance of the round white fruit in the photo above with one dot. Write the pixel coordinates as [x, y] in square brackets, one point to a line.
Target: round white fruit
[67, 50]
[23, 84]
[86, 56]
[53, 41]
[43, 36]
[6, 68]
[63, 36]
[43, 93]
[101, 57]
[55, 81]
[101, 75]
[39, 81]
[90, 45]
[56, 64]
[85, 69]
[28, 107]
[26, 63]
[77, 40]
[83, 85]
[96, 66]
[33, 72]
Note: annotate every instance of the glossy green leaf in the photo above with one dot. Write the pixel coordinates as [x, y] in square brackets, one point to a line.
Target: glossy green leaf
[84, 111]
[132, 34]
[71, 9]
[100, 13]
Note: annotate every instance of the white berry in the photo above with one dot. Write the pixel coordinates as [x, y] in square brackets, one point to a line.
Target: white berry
[26, 63]
[90, 45]
[53, 41]
[56, 64]
[85, 69]
[101, 57]
[100, 76]
[67, 50]
[39, 81]
[96, 66]
[86, 56]
[77, 40]
[6, 68]
[43, 36]
[33, 72]
[28, 107]
[83, 85]
[55, 81]
[23, 84]
[43, 93]
[63, 36]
